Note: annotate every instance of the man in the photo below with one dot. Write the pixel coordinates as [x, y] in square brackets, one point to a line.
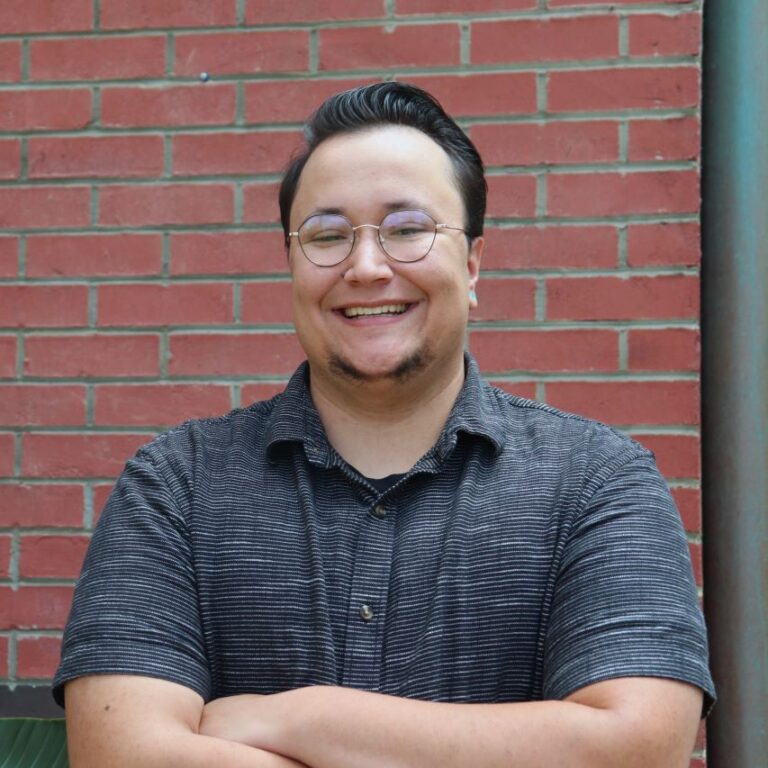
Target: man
[391, 563]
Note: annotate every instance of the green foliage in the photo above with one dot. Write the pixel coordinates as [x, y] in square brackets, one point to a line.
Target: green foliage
[32, 743]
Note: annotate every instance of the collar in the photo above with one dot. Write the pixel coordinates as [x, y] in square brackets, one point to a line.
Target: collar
[294, 418]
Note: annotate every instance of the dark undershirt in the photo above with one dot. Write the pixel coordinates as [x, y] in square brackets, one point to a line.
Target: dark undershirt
[382, 484]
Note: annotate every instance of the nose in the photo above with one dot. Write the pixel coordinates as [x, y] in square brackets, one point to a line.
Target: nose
[367, 261]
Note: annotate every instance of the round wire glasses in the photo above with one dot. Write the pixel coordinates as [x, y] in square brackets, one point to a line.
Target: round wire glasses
[326, 239]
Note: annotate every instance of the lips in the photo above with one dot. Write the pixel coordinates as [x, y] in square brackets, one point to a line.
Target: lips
[384, 309]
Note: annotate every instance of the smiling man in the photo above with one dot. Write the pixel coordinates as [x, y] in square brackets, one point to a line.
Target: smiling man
[391, 563]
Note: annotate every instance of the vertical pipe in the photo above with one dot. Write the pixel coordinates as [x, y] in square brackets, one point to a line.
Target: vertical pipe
[735, 375]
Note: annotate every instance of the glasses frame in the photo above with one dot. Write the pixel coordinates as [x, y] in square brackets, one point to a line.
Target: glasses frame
[438, 228]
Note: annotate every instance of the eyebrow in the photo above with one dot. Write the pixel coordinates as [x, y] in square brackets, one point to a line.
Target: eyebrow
[395, 205]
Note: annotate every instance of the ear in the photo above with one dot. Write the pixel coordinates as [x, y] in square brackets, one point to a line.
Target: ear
[476, 249]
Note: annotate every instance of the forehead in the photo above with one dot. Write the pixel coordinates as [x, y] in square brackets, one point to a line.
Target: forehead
[376, 167]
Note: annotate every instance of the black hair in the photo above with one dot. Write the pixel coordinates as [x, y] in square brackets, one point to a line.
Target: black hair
[393, 103]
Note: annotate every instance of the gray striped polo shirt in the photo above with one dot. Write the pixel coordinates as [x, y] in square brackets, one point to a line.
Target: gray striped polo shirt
[529, 553]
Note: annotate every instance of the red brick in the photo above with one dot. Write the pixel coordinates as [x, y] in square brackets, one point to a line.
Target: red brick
[566, 350]
[278, 11]
[675, 243]
[210, 354]
[180, 304]
[560, 3]
[9, 259]
[666, 349]
[127, 206]
[10, 158]
[10, 61]
[89, 455]
[505, 299]
[228, 253]
[386, 47]
[260, 204]
[658, 35]
[186, 105]
[636, 88]
[49, 506]
[25, 306]
[696, 561]
[233, 153]
[571, 247]
[675, 138]
[93, 255]
[461, 6]
[101, 495]
[97, 58]
[3, 657]
[5, 556]
[53, 557]
[285, 101]
[536, 143]
[230, 53]
[124, 156]
[55, 110]
[7, 453]
[526, 389]
[158, 404]
[28, 207]
[614, 298]
[266, 303]
[507, 93]
[22, 16]
[629, 402]
[586, 37]
[252, 393]
[157, 14]
[7, 357]
[619, 194]
[688, 502]
[92, 355]
[512, 196]
[37, 404]
[39, 607]
[37, 657]
[678, 456]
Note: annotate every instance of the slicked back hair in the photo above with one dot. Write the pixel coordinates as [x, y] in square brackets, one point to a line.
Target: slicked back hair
[392, 103]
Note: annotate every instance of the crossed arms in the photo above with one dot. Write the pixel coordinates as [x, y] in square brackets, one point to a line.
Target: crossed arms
[126, 721]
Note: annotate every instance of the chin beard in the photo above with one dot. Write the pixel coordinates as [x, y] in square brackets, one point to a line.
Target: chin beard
[407, 368]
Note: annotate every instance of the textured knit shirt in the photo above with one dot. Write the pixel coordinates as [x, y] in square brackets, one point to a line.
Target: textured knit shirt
[529, 553]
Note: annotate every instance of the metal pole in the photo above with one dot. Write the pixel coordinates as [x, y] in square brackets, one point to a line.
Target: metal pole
[735, 376]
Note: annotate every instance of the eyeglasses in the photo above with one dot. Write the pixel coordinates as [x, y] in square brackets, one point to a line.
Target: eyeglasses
[406, 236]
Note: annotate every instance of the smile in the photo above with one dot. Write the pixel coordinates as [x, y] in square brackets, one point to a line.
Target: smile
[386, 309]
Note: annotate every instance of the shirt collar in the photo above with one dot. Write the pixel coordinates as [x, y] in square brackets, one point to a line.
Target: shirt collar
[295, 418]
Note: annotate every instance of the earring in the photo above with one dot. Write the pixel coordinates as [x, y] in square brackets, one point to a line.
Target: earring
[473, 296]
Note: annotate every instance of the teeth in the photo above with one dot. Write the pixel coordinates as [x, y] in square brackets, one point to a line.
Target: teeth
[387, 309]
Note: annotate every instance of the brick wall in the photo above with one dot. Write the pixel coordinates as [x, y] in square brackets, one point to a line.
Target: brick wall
[142, 276]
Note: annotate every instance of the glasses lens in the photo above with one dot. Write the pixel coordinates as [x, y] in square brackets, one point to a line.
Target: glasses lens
[326, 239]
[407, 235]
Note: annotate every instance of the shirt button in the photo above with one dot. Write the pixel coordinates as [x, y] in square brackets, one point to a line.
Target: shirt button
[379, 511]
[366, 612]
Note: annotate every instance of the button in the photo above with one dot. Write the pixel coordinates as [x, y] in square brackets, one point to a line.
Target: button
[379, 511]
[366, 612]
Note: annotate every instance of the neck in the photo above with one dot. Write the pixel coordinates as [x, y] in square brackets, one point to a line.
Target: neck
[384, 427]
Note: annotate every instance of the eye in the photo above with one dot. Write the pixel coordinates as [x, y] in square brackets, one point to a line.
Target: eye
[407, 225]
[325, 231]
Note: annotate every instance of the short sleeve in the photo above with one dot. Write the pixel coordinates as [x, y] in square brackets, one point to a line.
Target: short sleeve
[135, 609]
[625, 602]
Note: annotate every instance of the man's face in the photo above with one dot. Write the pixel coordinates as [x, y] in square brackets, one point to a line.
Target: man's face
[364, 176]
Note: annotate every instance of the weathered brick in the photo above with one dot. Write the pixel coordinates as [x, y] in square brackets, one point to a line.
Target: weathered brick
[101, 494]
[181, 304]
[5, 556]
[157, 405]
[665, 349]
[266, 302]
[389, 46]
[688, 502]
[42, 405]
[98, 58]
[544, 350]
[460, 6]
[25, 306]
[227, 253]
[47, 505]
[42, 207]
[260, 203]
[230, 53]
[10, 158]
[92, 355]
[512, 196]
[180, 105]
[619, 194]
[505, 299]
[50, 110]
[7, 454]
[673, 243]
[159, 14]
[584, 37]
[613, 298]
[10, 61]
[53, 557]
[280, 12]
[37, 657]
[24, 16]
[34, 607]
[7, 357]
[677, 456]
[4, 643]
[663, 35]
[675, 138]
[94, 255]
[9, 256]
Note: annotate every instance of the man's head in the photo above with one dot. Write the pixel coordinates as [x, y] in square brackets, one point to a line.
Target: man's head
[385, 104]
